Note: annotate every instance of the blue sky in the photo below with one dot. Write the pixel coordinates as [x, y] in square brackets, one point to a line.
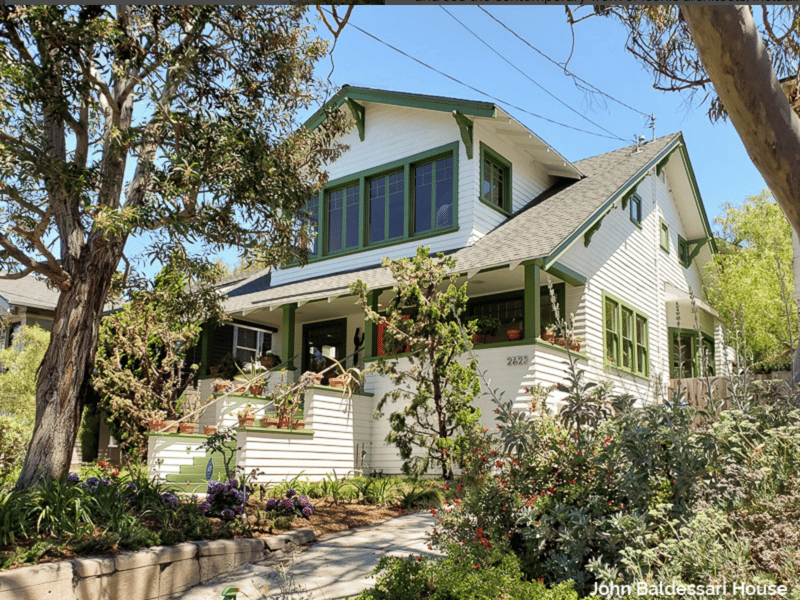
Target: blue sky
[724, 172]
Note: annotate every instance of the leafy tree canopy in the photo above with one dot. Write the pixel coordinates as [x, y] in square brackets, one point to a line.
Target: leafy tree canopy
[751, 279]
[19, 363]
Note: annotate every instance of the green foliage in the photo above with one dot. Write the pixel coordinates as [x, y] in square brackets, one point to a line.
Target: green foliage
[15, 432]
[20, 363]
[141, 358]
[89, 433]
[459, 576]
[436, 389]
[752, 279]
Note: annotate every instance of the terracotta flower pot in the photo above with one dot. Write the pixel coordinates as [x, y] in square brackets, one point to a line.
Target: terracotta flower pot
[246, 421]
[514, 334]
[209, 429]
[284, 423]
[220, 386]
[156, 425]
[299, 424]
[172, 427]
[575, 346]
[271, 422]
[549, 336]
[186, 427]
[213, 370]
[559, 341]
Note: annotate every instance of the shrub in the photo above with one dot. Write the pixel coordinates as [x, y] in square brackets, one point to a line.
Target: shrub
[20, 361]
[459, 576]
[224, 500]
[291, 505]
[15, 433]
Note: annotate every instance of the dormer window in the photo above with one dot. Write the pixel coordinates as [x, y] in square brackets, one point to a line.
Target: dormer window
[495, 180]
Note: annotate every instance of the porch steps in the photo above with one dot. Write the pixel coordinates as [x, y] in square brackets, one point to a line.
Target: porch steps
[192, 478]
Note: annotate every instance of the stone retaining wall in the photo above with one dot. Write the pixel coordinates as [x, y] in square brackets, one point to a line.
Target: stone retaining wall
[157, 573]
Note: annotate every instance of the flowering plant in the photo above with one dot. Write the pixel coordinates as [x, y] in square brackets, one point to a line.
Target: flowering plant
[293, 504]
[224, 500]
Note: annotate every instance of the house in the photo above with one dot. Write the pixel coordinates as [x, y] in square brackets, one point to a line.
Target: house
[621, 238]
[25, 301]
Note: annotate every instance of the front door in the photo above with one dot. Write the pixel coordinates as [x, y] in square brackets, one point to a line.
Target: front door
[321, 343]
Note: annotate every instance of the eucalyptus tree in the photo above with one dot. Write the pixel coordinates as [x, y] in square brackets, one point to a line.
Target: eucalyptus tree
[172, 122]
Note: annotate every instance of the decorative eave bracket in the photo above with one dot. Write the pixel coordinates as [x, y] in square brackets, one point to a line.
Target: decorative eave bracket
[359, 114]
[587, 236]
[466, 127]
[628, 196]
[695, 246]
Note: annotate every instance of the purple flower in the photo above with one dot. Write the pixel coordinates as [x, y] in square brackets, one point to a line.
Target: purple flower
[308, 510]
[271, 503]
[73, 478]
[240, 498]
[238, 509]
[215, 487]
[303, 500]
[287, 505]
[227, 514]
[290, 492]
[93, 482]
[105, 481]
[234, 483]
[170, 500]
[204, 507]
[130, 487]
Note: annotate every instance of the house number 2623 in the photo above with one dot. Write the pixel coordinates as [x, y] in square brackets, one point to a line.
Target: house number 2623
[517, 360]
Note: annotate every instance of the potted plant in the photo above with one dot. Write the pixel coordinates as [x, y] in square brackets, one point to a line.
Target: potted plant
[549, 333]
[209, 429]
[213, 370]
[250, 382]
[286, 400]
[573, 343]
[172, 427]
[186, 427]
[269, 421]
[311, 378]
[485, 327]
[514, 334]
[221, 386]
[246, 415]
[348, 379]
[270, 360]
[156, 420]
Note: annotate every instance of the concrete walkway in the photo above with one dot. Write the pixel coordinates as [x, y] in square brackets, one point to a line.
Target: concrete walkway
[339, 565]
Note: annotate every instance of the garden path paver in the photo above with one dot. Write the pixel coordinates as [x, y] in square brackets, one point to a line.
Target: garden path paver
[337, 566]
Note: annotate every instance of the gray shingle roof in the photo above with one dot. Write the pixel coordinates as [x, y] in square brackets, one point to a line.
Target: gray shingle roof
[29, 291]
[538, 230]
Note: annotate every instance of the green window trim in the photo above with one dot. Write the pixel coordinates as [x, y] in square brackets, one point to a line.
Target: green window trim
[636, 210]
[495, 171]
[699, 353]
[319, 211]
[625, 337]
[663, 235]
[684, 255]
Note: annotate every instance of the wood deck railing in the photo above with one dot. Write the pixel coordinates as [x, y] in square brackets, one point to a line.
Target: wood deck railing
[697, 388]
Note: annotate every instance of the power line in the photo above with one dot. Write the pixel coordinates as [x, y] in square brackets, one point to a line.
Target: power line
[561, 66]
[495, 98]
[520, 71]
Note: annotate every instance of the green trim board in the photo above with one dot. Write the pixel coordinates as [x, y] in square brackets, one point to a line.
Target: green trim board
[288, 334]
[626, 337]
[359, 115]
[498, 175]
[532, 302]
[306, 432]
[439, 103]
[602, 210]
[494, 345]
[566, 274]
[683, 252]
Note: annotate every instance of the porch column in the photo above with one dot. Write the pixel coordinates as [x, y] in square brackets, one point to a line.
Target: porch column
[532, 301]
[370, 328]
[287, 336]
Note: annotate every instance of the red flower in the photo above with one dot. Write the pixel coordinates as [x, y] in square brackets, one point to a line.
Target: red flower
[499, 463]
[399, 511]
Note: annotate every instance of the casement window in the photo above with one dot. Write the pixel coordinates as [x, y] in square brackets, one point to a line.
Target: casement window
[433, 195]
[625, 337]
[692, 353]
[683, 252]
[386, 207]
[664, 236]
[250, 343]
[636, 209]
[343, 218]
[495, 180]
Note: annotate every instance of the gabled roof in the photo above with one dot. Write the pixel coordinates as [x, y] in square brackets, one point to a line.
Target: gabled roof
[544, 229]
[28, 291]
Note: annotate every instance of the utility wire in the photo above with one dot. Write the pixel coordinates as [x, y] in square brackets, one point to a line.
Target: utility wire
[495, 98]
[561, 66]
[526, 76]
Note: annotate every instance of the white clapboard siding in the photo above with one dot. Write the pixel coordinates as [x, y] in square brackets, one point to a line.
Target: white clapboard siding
[167, 454]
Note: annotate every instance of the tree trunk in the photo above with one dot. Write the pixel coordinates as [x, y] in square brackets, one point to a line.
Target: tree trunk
[65, 372]
[738, 64]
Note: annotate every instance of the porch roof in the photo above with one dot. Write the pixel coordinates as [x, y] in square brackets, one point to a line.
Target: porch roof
[543, 229]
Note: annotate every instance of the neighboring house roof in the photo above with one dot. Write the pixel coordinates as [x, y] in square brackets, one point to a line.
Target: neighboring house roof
[30, 292]
[544, 229]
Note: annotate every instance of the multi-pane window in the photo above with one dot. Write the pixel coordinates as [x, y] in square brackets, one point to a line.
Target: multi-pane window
[626, 337]
[636, 209]
[692, 354]
[343, 219]
[433, 195]
[495, 180]
[683, 251]
[250, 344]
[386, 207]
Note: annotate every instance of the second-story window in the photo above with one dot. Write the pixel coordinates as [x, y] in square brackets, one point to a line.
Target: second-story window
[343, 219]
[386, 207]
[495, 180]
[433, 195]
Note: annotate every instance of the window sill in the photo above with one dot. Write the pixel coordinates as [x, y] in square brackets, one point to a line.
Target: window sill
[503, 211]
[608, 366]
